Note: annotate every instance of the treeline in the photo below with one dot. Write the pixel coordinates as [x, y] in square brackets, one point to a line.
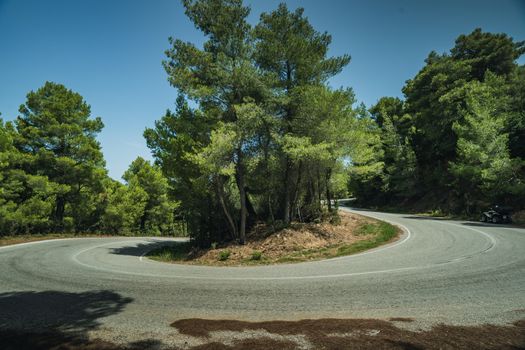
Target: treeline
[53, 176]
[259, 136]
[265, 139]
[456, 143]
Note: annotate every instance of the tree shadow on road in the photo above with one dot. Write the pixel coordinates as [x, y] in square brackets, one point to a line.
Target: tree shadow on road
[482, 224]
[466, 223]
[58, 310]
[59, 320]
[417, 217]
[139, 249]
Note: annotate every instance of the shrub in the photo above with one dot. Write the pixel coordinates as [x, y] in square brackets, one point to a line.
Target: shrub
[335, 219]
[224, 255]
[256, 255]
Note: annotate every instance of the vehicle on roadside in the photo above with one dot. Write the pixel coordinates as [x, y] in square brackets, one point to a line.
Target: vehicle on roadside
[497, 215]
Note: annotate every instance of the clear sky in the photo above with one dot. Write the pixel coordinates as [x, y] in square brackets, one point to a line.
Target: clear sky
[110, 51]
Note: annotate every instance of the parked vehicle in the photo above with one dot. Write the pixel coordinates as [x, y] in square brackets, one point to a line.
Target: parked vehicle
[497, 215]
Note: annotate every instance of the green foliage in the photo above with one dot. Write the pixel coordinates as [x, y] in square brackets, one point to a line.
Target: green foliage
[457, 140]
[142, 205]
[268, 140]
[381, 232]
[221, 77]
[294, 56]
[175, 252]
[400, 170]
[224, 255]
[158, 214]
[382, 229]
[256, 255]
[53, 177]
[366, 172]
[378, 233]
[484, 168]
[388, 107]
[174, 141]
[27, 203]
[291, 50]
[125, 208]
[55, 138]
[487, 52]
[366, 229]
[512, 90]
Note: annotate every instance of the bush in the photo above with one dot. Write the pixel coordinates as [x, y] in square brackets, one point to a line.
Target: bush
[256, 255]
[335, 219]
[224, 255]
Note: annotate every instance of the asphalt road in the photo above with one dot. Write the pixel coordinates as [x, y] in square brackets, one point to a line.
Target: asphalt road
[452, 272]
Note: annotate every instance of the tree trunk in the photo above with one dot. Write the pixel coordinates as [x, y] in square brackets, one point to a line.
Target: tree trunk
[143, 219]
[296, 190]
[287, 195]
[328, 194]
[270, 209]
[231, 222]
[60, 206]
[288, 170]
[242, 194]
[319, 187]
[252, 214]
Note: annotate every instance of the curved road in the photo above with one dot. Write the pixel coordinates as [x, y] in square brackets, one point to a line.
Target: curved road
[439, 271]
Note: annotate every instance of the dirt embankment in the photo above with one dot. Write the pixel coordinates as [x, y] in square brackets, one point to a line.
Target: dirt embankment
[299, 242]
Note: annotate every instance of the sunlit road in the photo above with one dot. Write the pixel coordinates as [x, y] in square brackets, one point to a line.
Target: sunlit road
[438, 271]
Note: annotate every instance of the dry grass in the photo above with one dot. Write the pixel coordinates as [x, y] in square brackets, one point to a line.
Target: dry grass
[297, 243]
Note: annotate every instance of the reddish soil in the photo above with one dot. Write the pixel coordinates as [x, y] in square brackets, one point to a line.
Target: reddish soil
[366, 334]
[320, 334]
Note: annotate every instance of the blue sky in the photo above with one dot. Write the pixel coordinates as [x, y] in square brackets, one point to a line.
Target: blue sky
[111, 51]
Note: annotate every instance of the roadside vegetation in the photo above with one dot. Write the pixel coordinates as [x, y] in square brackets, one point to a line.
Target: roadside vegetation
[259, 138]
[296, 243]
[53, 177]
[455, 144]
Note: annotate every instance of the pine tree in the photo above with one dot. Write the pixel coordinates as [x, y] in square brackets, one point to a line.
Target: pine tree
[484, 169]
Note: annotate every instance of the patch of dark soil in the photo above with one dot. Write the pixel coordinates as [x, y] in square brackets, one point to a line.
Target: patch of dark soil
[322, 334]
[401, 319]
[250, 344]
[201, 328]
[370, 334]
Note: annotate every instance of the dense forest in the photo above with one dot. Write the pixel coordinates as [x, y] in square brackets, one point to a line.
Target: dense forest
[54, 179]
[258, 135]
[456, 143]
